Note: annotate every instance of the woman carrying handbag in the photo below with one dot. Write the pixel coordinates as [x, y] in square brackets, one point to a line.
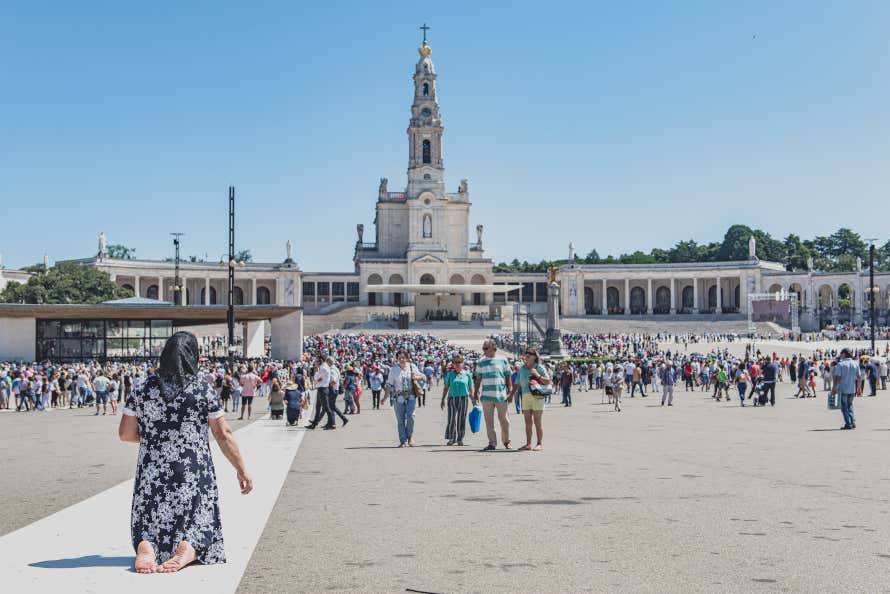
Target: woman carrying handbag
[535, 385]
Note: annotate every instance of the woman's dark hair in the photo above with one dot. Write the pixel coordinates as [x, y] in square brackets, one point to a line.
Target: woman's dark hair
[403, 352]
[180, 356]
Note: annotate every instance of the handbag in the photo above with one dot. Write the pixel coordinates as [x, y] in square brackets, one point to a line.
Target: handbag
[475, 418]
[539, 390]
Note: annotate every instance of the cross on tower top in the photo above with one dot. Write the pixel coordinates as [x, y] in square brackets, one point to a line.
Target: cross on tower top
[425, 28]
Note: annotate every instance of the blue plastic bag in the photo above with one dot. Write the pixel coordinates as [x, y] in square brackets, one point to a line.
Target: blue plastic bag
[475, 418]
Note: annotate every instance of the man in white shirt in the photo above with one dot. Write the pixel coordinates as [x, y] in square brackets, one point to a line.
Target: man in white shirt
[333, 392]
[322, 380]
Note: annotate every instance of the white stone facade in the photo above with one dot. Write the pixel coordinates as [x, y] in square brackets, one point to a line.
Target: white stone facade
[422, 234]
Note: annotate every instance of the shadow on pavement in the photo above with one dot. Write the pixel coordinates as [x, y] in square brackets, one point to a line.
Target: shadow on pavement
[85, 561]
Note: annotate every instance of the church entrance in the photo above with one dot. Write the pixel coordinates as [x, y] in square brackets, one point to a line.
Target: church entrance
[372, 298]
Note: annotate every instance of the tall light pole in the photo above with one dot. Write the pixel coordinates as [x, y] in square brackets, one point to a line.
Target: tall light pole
[230, 316]
[177, 289]
[871, 293]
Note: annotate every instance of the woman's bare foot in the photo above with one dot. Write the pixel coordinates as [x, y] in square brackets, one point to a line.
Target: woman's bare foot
[145, 558]
[185, 554]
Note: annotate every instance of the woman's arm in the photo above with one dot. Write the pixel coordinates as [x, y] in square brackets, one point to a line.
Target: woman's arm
[128, 430]
[226, 441]
[541, 377]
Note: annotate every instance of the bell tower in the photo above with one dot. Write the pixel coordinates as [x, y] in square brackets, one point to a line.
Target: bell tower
[426, 170]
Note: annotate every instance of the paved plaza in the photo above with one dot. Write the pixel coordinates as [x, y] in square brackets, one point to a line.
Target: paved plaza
[699, 497]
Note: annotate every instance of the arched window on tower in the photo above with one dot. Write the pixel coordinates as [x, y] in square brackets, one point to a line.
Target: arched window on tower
[427, 226]
[426, 89]
[426, 152]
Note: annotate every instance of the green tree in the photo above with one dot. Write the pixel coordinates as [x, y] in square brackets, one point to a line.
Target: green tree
[769, 248]
[67, 282]
[735, 244]
[846, 242]
[243, 256]
[637, 257]
[708, 253]
[661, 256]
[120, 252]
[882, 257]
[684, 251]
[592, 257]
[796, 253]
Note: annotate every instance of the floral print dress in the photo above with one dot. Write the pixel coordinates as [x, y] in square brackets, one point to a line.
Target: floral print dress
[175, 497]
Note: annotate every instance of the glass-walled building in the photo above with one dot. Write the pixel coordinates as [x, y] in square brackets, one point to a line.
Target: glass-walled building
[68, 340]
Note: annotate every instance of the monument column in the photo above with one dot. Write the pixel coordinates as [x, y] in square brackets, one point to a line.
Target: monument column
[136, 286]
[673, 298]
[605, 305]
[252, 299]
[649, 297]
[743, 294]
[206, 290]
[626, 296]
[695, 295]
[160, 288]
[719, 308]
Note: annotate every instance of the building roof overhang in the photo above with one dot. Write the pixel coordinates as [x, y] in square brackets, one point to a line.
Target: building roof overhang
[187, 314]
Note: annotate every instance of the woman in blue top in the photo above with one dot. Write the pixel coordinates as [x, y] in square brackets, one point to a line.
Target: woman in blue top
[532, 405]
[457, 392]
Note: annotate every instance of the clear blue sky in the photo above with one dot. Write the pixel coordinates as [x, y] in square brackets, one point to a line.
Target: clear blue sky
[620, 125]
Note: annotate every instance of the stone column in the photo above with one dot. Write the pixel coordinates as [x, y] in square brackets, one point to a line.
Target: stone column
[649, 297]
[719, 308]
[206, 290]
[136, 286]
[605, 305]
[552, 341]
[252, 299]
[673, 298]
[287, 337]
[252, 345]
[626, 296]
[161, 288]
[695, 295]
[743, 294]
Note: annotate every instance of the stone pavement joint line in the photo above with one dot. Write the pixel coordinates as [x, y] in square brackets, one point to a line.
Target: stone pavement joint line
[86, 547]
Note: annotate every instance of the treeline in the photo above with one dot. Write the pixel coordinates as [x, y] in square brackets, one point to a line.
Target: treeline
[833, 253]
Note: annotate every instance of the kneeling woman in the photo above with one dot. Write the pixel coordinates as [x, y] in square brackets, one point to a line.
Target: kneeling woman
[175, 514]
[532, 404]
[457, 393]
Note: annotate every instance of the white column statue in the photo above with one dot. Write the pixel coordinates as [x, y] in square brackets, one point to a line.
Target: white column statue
[571, 252]
[752, 248]
[102, 247]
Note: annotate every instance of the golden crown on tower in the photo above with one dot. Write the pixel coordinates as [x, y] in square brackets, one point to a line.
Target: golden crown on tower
[425, 50]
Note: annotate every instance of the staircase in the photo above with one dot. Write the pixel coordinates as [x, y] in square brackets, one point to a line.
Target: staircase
[350, 316]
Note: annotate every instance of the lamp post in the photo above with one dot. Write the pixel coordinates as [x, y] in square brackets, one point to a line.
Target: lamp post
[177, 288]
[871, 293]
[230, 316]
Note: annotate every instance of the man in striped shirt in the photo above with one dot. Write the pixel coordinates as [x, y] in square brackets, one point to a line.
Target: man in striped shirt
[492, 385]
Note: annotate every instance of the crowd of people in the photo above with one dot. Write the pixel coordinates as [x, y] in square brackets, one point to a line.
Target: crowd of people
[401, 371]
